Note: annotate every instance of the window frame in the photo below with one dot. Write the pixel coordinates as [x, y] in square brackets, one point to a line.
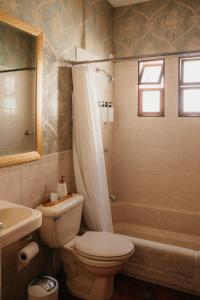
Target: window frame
[151, 114]
[150, 65]
[161, 113]
[186, 86]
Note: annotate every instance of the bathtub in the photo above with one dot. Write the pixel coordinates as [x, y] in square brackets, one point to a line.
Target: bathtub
[167, 245]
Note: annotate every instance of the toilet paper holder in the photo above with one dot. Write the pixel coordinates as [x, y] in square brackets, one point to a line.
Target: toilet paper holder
[26, 254]
[29, 238]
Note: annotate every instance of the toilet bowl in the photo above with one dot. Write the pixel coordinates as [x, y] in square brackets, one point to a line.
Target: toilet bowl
[90, 261]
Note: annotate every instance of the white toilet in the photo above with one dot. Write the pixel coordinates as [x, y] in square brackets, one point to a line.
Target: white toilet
[91, 260]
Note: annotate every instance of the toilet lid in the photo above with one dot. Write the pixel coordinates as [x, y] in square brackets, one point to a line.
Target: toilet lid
[103, 244]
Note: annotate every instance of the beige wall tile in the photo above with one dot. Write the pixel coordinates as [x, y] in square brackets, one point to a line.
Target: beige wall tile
[118, 212]
[65, 164]
[30, 182]
[144, 216]
[10, 184]
[49, 175]
[156, 161]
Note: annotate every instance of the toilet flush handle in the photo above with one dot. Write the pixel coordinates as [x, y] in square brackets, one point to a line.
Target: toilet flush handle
[57, 219]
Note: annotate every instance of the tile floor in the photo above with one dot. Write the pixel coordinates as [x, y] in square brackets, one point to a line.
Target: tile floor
[127, 288]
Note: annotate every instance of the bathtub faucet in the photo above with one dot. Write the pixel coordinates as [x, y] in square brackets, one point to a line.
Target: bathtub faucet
[112, 197]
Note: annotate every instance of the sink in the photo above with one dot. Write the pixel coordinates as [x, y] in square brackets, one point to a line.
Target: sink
[17, 221]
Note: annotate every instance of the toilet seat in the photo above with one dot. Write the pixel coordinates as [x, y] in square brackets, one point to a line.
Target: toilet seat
[101, 263]
[103, 246]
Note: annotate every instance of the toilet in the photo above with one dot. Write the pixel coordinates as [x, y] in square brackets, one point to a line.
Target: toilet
[90, 261]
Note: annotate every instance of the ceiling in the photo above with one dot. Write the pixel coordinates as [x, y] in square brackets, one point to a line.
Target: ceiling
[117, 3]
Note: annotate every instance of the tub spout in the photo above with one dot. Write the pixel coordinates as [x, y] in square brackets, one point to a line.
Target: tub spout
[1, 226]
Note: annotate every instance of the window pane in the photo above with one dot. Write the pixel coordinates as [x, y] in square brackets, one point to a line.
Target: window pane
[152, 86]
[191, 100]
[151, 74]
[151, 101]
[191, 71]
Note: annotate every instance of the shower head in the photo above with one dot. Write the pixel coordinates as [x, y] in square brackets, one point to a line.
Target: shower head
[110, 77]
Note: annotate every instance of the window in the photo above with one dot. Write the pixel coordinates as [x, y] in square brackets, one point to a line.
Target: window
[151, 88]
[189, 87]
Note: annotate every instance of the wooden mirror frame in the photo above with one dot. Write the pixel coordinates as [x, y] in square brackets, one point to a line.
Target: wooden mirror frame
[35, 31]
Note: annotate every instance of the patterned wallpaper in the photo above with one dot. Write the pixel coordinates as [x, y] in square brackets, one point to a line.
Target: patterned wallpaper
[66, 24]
[17, 49]
[99, 27]
[157, 26]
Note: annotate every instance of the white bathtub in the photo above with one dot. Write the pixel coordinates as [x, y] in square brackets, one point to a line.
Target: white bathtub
[167, 245]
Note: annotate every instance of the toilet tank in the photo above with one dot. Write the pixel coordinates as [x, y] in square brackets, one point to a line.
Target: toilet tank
[61, 222]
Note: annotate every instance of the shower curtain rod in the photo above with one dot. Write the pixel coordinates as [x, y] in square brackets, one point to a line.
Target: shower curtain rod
[136, 57]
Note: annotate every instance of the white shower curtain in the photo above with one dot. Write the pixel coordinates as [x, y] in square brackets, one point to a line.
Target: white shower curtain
[88, 153]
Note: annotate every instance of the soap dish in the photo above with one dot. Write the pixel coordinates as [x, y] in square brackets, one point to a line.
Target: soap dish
[48, 203]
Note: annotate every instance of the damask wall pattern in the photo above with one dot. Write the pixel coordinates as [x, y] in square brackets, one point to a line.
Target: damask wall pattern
[17, 49]
[65, 25]
[99, 27]
[157, 26]
[151, 27]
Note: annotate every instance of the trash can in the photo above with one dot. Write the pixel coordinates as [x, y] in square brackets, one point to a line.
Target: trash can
[43, 288]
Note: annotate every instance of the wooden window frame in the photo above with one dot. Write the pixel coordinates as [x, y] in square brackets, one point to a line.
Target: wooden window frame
[161, 113]
[186, 86]
[151, 65]
[181, 112]
[181, 68]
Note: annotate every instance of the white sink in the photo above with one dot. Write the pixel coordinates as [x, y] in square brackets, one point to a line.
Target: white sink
[17, 221]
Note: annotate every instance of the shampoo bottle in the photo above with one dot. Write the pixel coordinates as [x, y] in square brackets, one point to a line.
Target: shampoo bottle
[110, 113]
[62, 188]
[103, 112]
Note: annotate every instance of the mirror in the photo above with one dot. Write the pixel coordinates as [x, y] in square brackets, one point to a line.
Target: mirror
[20, 91]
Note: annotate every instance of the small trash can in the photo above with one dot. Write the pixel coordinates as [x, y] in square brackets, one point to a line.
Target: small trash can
[43, 288]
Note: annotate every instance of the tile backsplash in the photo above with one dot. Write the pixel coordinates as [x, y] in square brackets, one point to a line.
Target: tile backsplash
[30, 183]
[17, 115]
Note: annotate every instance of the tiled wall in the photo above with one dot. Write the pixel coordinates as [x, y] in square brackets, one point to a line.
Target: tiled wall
[16, 113]
[157, 26]
[157, 162]
[31, 183]
[156, 159]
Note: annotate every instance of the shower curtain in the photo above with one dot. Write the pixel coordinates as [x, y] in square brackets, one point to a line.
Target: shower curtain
[88, 153]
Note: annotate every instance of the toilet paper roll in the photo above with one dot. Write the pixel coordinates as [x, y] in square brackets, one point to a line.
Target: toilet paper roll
[26, 254]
